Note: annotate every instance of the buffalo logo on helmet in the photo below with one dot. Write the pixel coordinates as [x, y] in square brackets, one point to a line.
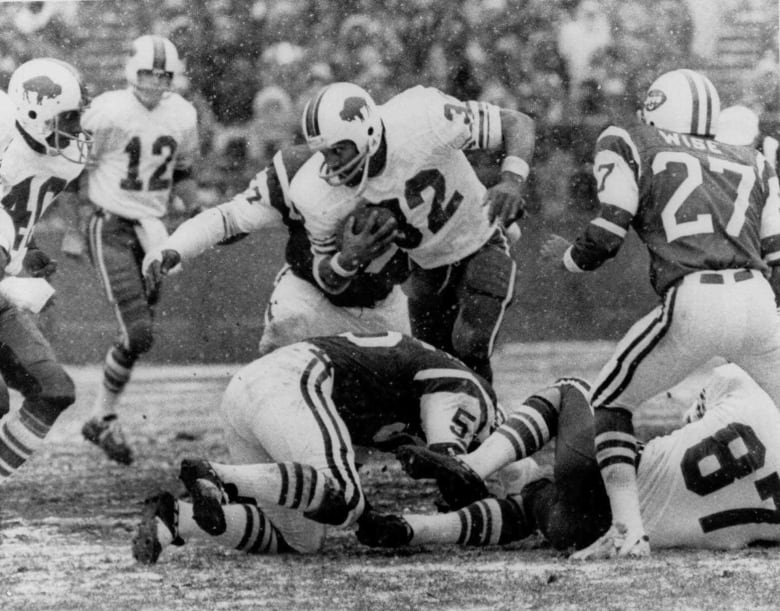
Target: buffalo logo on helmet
[43, 87]
[654, 99]
[354, 108]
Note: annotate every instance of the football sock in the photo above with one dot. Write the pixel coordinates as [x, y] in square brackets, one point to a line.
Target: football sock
[616, 455]
[486, 522]
[117, 369]
[247, 529]
[525, 431]
[21, 434]
[289, 484]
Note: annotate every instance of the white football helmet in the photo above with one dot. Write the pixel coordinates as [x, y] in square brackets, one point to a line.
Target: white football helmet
[682, 101]
[151, 68]
[738, 125]
[339, 112]
[49, 98]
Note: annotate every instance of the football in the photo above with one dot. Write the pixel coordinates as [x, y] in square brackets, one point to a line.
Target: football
[362, 215]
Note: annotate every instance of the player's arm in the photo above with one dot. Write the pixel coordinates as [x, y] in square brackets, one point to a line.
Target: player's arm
[480, 125]
[185, 187]
[615, 169]
[247, 212]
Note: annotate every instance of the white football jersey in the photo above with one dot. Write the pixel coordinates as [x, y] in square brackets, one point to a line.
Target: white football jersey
[715, 483]
[136, 151]
[427, 177]
[29, 182]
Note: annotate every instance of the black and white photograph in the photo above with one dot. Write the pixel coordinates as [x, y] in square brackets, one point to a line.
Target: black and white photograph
[389, 305]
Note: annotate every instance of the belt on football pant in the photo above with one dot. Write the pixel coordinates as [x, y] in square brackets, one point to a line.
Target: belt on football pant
[725, 276]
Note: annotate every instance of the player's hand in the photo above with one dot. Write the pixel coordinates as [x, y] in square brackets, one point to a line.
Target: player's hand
[506, 201]
[362, 247]
[553, 249]
[156, 267]
[38, 264]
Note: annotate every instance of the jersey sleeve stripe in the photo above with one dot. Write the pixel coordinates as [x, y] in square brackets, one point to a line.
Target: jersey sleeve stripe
[618, 140]
[617, 215]
[609, 227]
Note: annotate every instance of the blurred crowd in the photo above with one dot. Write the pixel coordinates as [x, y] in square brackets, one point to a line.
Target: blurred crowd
[574, 65]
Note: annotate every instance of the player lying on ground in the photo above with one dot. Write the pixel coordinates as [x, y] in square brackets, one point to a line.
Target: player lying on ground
[290, 420]
[712, 484]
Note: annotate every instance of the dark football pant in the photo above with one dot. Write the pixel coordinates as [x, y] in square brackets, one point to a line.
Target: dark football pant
[28, 365]
[573, 511]
[117, 255]
[459, 308]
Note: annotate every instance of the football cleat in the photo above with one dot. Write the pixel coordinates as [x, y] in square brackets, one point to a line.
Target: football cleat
[161, 508]
[383, 530]
[617, 542]
[458, 483]
[207, 492]
[107, 434]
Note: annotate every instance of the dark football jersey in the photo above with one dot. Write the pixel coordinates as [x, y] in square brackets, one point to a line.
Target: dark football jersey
[383, 379]
[696, 203]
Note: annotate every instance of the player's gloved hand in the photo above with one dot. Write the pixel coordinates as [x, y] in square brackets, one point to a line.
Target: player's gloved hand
[38, 264]
[157, 265]
[553, 249]
[506, 200]
[361, 247]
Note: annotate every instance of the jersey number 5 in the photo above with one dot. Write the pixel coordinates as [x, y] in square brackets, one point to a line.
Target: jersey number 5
[693, 179]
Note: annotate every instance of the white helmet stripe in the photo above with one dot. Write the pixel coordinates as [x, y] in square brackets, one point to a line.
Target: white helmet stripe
[701, 107]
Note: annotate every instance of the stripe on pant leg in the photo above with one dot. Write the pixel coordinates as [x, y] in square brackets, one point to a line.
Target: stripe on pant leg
[96, 224]
[335, 435]
[632, 356]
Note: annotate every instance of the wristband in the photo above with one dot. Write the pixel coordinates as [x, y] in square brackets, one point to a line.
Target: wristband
[515, 165]
[336, 267]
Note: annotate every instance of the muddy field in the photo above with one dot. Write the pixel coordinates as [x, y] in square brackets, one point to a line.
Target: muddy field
[68, 516]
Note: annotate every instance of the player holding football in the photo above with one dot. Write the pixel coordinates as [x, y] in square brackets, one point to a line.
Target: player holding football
[44, 150]
[408, 156]
[709, 214]
[288, 193]
[145, 143]
[713, 484]
[290, 420]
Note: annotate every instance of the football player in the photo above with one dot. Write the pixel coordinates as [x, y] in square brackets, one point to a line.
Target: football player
[145, 143]
[408, 156]
[288, 193]
[740, 125]
[45, 150]
[709, 214]
[290, 419]
[713, 484]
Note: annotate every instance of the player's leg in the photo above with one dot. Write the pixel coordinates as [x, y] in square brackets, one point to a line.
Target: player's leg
[759, 353]
[486, 522]
[432, 305]
[658, 351]
[572, 511]
[28, 364]
[297, 310]
[527, 429]
[116, 255]
[293, 454]
[484, 292]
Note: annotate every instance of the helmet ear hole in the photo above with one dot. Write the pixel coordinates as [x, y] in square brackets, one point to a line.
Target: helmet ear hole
[32, 114]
